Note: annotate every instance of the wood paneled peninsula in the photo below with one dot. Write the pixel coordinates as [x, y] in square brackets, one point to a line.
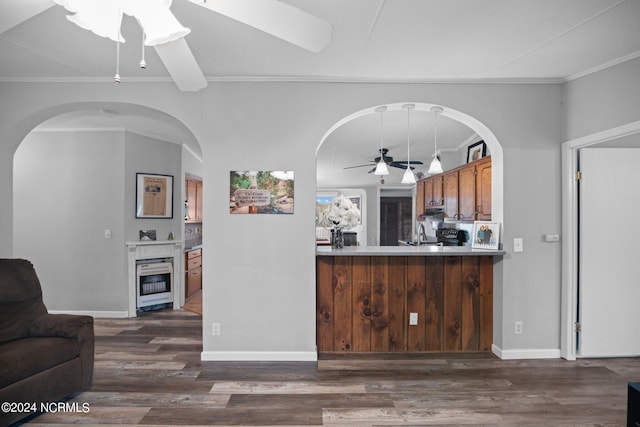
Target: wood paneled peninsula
[368, 297]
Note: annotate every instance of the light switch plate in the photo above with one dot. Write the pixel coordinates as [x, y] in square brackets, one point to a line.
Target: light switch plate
[518, 244]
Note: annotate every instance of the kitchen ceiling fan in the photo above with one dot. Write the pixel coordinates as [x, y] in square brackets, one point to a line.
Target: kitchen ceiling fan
[400, 164]
[166, 35]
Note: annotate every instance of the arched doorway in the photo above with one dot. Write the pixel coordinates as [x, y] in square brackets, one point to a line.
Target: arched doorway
[74, 176]
[472, 123]
[480, 129]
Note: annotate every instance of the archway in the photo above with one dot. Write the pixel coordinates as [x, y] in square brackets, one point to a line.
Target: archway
[497, 187]
[72, 195]
[477, 126]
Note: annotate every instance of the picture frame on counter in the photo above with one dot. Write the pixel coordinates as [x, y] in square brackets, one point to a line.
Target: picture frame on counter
[154, 195]
[486, 235]
[476, 151]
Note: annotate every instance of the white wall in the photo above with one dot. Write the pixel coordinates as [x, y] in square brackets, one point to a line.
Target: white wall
[259, 278]
[602, 101]
[266, 259]
[69, 188]
[148, 155]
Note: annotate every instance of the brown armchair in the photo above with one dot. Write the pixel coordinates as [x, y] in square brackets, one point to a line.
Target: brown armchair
[43, 357]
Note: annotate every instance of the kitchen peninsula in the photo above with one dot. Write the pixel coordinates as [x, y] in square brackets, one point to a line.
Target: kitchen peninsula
[404, 299]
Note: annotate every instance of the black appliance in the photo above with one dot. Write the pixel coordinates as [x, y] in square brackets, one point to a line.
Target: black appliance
[451, 236]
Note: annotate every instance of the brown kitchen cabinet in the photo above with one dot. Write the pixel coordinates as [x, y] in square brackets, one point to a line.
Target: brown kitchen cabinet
[193, 272]
[433, 191]
[450, 194]
[420, 203]
[194, 200]
[428, 194]
[465, 192]
[483, 189]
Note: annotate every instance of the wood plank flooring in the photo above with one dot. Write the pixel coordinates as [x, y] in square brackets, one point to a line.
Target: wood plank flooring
[194, 303]
[148, 372]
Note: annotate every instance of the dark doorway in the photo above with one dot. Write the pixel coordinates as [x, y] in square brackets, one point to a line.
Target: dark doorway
[395, 220]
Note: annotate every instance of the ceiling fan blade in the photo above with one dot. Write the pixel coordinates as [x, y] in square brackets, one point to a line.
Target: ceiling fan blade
[15, 12]
[276, 18]
[359, 166]
[412, 162]
[397, 165]
[181, 64]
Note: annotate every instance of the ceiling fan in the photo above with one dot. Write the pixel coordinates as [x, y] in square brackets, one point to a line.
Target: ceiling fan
[103, 17]
[400, 164]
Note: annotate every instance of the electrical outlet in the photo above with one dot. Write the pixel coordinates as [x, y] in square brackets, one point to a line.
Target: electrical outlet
[107, 233]
[518, 328]
[215, 329]
[413, 318]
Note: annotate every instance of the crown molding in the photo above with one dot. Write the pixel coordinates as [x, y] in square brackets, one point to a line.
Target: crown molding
[292, 79]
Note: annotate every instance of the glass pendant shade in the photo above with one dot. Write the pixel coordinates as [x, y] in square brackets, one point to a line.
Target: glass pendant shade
[436, 166]
[408, 177]
[381, 168]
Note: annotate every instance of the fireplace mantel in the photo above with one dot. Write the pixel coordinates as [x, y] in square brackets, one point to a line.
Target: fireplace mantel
[152, 249]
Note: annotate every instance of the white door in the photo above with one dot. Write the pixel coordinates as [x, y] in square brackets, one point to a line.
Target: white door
[609, 264]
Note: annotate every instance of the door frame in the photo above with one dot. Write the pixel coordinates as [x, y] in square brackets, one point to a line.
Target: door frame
[571, 233]
[400, 188]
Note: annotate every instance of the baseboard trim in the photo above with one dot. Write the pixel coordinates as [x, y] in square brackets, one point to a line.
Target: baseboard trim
[536, 353]
[259, 356]
[99, 314]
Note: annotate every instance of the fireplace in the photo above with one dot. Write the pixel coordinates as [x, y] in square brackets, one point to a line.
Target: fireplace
[154, 282]
[160, 264]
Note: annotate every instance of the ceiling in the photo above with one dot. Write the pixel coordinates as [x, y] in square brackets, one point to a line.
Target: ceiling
[373, 41]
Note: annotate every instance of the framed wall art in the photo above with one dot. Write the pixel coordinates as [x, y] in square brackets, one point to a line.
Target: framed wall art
[154, 196]
[476, 151]
[486, 235]
[261, 192]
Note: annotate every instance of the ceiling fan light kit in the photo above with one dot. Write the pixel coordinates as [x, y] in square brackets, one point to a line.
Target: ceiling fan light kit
[436, 166]
[167, 36]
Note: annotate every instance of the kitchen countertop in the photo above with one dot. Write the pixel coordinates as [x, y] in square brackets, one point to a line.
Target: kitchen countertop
[426, 250]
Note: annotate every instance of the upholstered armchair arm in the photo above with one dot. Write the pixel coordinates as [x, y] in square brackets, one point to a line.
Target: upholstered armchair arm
[70, 326]
[59, 325]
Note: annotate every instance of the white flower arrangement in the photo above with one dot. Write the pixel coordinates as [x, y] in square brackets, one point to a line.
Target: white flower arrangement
[339, 213]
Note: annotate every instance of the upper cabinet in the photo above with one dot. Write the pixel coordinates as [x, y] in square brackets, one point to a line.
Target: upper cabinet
[450, 190]
[433, 191]
[483, 189]
[194, 200]
[429, 194]
[464, 192]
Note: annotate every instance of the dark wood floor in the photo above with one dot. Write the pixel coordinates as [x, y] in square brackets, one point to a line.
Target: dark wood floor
[148, 371]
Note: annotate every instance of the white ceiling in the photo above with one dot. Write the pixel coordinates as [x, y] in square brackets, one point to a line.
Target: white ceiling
[373, 40]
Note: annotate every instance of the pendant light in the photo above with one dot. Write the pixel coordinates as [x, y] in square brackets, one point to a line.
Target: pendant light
[436, 166]
[381, 167]
[408, 177]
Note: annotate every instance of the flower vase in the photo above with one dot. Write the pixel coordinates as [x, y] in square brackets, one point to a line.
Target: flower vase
[338, 238]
